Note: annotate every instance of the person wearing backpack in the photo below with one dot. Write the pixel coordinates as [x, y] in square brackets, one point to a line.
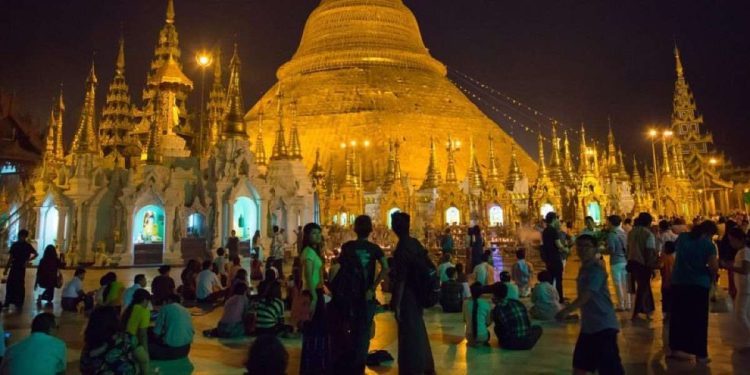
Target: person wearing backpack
[410, 262]
[353, 290]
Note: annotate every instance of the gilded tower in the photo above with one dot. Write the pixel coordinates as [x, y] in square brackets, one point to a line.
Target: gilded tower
[117, 115]
[362, 72]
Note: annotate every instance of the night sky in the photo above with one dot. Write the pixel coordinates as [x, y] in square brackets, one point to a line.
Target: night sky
[579, 61]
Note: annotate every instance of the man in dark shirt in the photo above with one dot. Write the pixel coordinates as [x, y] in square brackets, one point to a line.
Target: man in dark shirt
[21, 252]
[233, 244]
[362, 252]
[553, 250]
[451, 293]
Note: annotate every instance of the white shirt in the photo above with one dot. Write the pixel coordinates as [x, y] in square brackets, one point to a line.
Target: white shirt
[207, 283]
[39, 353]
[221, 264]
[175, 325]
[742, 281]
[72, 288]
[441, 271]
[127, 296]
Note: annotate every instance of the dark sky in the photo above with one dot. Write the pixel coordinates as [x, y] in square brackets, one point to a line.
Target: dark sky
[579, 61]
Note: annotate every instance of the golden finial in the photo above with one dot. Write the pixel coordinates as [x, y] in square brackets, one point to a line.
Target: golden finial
[170, 11]
[678, 61]
[120, 64]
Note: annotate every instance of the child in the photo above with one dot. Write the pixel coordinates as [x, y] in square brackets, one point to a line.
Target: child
[521, 273]
[451, 293]
[512, 326]
[596, 349]
[510, 285]
[477, 317]
[256, 268]
[545, 298]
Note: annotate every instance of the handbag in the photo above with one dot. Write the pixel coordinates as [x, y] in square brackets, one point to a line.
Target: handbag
[59, 283]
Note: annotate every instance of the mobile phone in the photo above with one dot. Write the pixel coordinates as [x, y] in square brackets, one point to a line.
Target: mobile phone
[7, 335]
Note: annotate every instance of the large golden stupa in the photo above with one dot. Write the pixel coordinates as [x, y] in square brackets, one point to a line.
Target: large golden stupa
[362, 73]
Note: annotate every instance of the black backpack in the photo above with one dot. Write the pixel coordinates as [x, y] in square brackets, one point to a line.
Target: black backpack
[348, 287]
[426, 280]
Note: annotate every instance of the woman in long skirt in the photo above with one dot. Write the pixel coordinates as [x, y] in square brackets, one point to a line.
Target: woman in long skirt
[315, 338]
[21, 252]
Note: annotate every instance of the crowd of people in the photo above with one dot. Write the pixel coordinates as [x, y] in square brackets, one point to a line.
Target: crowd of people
[332, 308]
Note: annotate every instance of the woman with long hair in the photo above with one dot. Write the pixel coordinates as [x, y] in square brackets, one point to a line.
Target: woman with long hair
[137, 317]
[108, 350]
[477, 317]
[47, 275]
[694, 268]
[315, 341]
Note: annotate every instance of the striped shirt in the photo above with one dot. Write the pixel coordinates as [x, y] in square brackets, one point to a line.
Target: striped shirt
[269, 313]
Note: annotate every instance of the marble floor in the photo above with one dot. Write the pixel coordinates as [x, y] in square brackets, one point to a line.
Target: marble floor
[640, 343]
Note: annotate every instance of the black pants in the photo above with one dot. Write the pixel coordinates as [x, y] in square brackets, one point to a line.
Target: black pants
[71, 304]
[688, 329]
[598, 352]
[644, 298]
[15, 291]
[159, 350]
[521, 343]
[556, 271]
[48, 294]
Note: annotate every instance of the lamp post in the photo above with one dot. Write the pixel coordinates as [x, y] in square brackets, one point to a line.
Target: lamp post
[652, 134]
[204, 60]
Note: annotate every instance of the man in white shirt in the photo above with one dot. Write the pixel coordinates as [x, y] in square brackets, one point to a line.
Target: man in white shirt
[40, 353]
[209, 287]
[73, 294]
[138, 283]
[443, 267]
[173, 331]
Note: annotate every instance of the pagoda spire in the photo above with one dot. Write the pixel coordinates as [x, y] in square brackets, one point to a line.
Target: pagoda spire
[295, 149]
[474, 174]
[637, 181]
[678, 62]
[493, 173]
[397, 161]
[217, 99]
[117, 115]
[151, 154]
[584, 166]
[611, 150]
[432, 177]
[665, 168]
[542, 166]
[234, 124]
[450, 174]
[350, 176]
[279, 147]
[514, 171]
[317, 173]
[49, 139]
[567, 158]
[170, 12]
[84, 141]
[260, 148]
[622, 171]
[59, 148]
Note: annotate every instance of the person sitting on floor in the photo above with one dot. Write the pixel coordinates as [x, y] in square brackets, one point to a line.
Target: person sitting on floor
[208, 288]
[73, 294]
[188, 277]
[451, 293]
[139, 282]
[445, 263]
[521, 273]
[107, 349]
[256, 268]
[173, 331]
[512, 287]
[39, 353]
[232, 320]
[110, 291]
[267, 356]
[137, 317]
[512, 326]
[269, 310]
[484, 273]
[162, 286]
[545, 298]
[477, 317]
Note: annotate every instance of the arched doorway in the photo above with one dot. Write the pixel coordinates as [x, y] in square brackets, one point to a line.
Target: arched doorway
[245, 218]
[496, 216]
[594, 210]
[148, 235]
[391, 212]
[50, 222]
[196, 225]
[545, 209]
[452, 216]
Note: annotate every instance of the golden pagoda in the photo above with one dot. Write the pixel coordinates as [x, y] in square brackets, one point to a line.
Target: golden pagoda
[362, 73]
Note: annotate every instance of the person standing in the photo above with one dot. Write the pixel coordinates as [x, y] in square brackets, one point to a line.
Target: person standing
[695, 266]
[21, 252]
[552, 251]
[220, 263]
[257, 246]
[360, 257]
[48, 275]
[446, 242]
[727, 254]
[617, 241]
[477, 246]
[315, 340]
[741, 270]
[233, 244]
[642, 260]
[596, 349]
[414, 353]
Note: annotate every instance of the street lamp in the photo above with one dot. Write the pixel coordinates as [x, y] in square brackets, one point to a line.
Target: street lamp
[204, 60]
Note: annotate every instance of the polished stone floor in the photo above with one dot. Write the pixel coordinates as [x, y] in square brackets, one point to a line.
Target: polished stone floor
[640, 343]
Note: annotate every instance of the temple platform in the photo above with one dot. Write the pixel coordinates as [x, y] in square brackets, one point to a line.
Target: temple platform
[640, 343]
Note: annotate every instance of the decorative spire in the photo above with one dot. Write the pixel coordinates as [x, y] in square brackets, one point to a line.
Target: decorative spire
[542, 166]
[151, 154]
[556, 172]
[665, 168]
[317, 173]
[514, 171]
[584, 166]
[636, 174]
[260, 148]
[117, 115]
[390, 170]
[397, 162]
[432, 177]
[474, 174]
[568, 158]
[350, 177]
[49, 139]
[120, 63]
[279, 147]
[59, 148]
[84, 140]
[234, 124]
[622, 171]
[450, 174]
[170, 11]
[611, 150]
[295, 149]
[678, 62]
[493, 173]
[216, 101]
